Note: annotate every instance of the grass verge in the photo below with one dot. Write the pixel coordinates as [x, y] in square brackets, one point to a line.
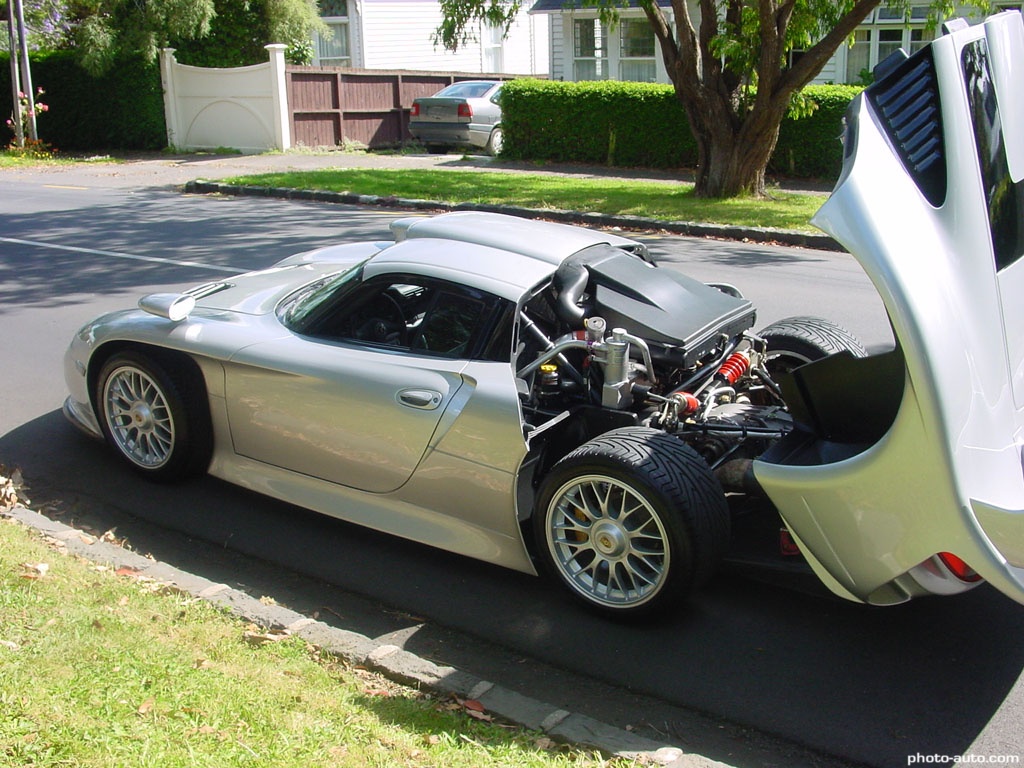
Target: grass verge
[656, 200]
[99, 668]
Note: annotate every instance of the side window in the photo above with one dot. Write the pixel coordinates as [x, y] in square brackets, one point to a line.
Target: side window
[422, 315]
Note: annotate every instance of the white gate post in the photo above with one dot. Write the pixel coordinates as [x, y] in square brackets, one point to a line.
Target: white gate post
[167, 64]
[279, 91]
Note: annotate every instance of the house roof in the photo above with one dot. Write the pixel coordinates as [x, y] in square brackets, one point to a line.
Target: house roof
[556, 6]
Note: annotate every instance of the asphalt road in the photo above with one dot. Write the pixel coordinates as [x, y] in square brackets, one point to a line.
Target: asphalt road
[745, 673]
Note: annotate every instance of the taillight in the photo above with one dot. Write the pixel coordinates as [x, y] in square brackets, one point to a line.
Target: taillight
[958, 567]
[415, 111]
[465, 110]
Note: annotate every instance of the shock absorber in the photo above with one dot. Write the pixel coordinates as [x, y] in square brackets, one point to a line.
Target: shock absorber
[733, 368]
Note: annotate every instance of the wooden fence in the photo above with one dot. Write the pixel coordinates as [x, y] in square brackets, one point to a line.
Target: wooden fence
[331, 106]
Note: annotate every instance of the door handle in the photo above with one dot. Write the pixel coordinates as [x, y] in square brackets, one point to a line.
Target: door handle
[424, 399]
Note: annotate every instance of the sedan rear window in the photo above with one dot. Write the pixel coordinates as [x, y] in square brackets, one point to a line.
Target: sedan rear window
[466, 90]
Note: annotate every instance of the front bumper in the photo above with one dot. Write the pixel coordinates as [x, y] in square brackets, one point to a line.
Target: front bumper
[81, 416]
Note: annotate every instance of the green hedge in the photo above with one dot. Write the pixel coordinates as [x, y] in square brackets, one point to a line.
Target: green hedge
[604, 122]
[643, 125]
[811, 147]
[122, 110]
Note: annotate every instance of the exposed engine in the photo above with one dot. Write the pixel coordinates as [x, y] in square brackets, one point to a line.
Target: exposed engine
[697, 372]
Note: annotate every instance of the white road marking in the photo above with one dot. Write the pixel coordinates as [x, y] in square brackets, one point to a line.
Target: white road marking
[129, 256]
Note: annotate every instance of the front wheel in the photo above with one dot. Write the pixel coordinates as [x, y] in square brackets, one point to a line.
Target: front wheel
[153, 418]
[631, 521]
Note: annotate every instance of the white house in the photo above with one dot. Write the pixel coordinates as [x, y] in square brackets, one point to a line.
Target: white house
[582, 48]
[398, 34]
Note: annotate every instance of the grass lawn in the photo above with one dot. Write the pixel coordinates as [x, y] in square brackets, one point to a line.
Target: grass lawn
[656, 200]
[105, 669]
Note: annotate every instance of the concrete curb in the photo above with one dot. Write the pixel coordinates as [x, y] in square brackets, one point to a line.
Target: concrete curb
[721, 231]
[389, 660]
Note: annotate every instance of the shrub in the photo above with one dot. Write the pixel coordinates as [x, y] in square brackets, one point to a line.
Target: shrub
[604, 122]
[123, 109]
[810, 147]
[643, 125]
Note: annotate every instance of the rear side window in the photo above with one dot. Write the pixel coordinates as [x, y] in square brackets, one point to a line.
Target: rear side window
[1004, 198]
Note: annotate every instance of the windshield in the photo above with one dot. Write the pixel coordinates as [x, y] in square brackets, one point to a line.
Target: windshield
[302, 308]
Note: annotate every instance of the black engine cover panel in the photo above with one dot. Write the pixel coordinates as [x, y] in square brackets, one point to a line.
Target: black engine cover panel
[681, 318]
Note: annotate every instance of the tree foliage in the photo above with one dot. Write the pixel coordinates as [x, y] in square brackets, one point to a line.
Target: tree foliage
[212, 32]
[729, 64]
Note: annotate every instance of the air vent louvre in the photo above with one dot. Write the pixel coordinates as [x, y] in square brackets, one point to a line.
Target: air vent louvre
[906, 100]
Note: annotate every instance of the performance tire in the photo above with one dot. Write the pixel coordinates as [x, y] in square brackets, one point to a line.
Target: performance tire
[155, 417]
[796, 341]
[631, 522]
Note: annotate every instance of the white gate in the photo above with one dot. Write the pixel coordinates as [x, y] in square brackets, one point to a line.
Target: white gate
[244, 108]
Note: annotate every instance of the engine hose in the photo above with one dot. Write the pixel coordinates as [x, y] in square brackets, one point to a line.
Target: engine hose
[705, 371]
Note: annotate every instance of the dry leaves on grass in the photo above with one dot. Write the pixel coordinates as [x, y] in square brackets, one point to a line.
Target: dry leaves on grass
[34, 570]
[12, 489]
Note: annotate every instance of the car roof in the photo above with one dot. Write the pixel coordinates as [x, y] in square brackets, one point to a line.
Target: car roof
[500, 272]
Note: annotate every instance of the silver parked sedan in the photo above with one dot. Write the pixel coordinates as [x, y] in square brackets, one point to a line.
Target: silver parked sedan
[465, 114]
[539, 395]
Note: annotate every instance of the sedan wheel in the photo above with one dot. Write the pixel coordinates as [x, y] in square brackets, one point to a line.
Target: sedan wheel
[152, 418]
[495, 142]
[631, 521]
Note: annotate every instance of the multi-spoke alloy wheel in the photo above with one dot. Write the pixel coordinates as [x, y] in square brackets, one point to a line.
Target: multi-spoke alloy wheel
[607, 541]
[138, 416]
[153, 411]
[631, 521]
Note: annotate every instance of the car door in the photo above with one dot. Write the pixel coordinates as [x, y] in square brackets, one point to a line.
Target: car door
[355, 399]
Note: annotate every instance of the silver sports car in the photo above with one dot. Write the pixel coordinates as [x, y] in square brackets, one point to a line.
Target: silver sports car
[538, 395]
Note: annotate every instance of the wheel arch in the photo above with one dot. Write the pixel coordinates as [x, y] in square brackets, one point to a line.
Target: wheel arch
[181, 362]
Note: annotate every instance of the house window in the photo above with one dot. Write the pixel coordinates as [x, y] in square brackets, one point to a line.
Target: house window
[882, 35]
[590, 48]
[494, 59]
[334, 51]
[919, 38]
[858, 57]
[889, 41]
[636, 51]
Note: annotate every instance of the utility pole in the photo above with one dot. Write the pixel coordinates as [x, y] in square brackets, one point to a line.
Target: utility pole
[19, 133]
[18, 47]
[26, 71]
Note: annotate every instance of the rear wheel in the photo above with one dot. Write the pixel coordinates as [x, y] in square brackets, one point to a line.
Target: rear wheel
[154, 418]
[631, 521]
[495, 141]
[796, 341]
[437, 149]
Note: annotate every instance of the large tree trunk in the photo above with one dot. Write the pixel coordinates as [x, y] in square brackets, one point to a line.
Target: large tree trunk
[735, 140]
[731, 157]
